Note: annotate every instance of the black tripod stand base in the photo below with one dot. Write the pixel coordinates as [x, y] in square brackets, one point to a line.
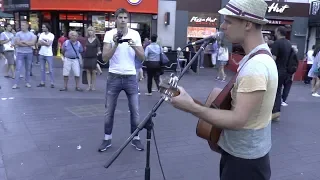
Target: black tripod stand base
[147, 173]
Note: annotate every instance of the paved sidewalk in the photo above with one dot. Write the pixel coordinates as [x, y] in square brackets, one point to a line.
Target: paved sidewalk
[50, 135]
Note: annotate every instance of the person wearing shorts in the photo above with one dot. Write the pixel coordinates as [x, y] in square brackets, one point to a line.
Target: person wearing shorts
[223, 57]
[6, 40]
[71, 50]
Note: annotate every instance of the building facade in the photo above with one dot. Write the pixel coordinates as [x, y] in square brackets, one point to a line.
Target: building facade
[314, 25]
[199, 19]
[195, 20]
[77, 15]
[291, 14]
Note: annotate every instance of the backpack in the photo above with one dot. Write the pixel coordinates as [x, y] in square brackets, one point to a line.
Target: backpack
[293, 62]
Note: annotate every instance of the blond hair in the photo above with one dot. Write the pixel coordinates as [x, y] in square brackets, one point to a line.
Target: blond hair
[91, 28]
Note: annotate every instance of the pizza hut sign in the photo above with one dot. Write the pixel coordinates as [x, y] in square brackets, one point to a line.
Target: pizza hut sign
[276, 8]
[203, 21]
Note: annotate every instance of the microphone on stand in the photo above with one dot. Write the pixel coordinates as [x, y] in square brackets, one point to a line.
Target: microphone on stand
[218, 36]
[210, 39]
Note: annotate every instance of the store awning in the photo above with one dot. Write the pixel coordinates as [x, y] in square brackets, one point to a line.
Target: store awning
[5, 15]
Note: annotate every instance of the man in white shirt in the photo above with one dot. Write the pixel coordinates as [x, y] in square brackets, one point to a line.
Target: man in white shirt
[122, 74]
[45, 54]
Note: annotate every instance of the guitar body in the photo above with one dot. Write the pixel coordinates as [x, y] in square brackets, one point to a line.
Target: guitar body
[207, 131]
[219, 100]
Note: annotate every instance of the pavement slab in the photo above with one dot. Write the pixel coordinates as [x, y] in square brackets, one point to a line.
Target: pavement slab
[46, 134]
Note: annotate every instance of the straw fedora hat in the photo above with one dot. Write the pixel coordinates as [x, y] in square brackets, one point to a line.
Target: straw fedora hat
[250, 10]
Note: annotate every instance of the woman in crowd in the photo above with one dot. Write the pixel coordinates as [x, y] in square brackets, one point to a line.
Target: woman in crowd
[309, 58]
[152, 53]
[223, 57]
[314, 72]
[92, 49]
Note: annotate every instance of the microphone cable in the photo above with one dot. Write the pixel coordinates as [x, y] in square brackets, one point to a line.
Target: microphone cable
[155, 143]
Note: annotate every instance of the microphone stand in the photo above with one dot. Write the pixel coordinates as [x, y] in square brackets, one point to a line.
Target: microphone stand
[147, 123]
[178, 61]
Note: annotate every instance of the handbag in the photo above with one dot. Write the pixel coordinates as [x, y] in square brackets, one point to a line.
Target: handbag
[163, 58]
[84, 77]
[7, 46]
[317, 71]
[152, 64]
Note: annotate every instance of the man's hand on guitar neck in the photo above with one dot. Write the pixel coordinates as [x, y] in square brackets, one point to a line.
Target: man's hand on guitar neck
[184, 101]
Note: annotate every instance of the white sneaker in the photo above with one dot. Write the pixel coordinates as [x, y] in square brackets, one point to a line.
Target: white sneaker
[15, 86]
[284, 104]
[28, 85]
[316, 95]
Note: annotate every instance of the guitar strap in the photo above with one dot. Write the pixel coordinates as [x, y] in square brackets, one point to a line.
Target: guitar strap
[227, 89]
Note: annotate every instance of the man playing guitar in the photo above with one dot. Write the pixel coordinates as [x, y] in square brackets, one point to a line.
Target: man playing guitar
[245, 140]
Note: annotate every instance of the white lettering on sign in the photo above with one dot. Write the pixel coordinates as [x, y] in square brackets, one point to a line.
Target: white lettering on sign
[274, 22]
[275, 8]
[315, 7]
[199, 19]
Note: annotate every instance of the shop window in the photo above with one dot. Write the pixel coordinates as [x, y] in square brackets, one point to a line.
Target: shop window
[110, 21]
[99, 23]
[141, 23]
[34, 21]
[46, 16]
[76, 17]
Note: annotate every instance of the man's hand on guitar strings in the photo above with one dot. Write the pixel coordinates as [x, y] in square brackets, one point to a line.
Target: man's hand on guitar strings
[183, 101]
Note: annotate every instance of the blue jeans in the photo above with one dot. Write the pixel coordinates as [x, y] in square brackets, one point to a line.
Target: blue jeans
[115, 84]
[26, 60]
[43, 60]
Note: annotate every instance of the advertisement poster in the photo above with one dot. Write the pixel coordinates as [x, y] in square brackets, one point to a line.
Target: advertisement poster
[200, 32]
[98, 22]
[34, 22]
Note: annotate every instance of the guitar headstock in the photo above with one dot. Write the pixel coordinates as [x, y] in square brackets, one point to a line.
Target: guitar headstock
[168, 87]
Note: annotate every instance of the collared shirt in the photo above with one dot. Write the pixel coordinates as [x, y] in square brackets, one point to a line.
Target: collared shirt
[68, 50]
[152, 52]
[254, 139]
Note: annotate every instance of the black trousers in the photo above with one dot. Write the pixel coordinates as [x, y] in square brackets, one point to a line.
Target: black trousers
[307, 79]
[153, 73]
[234, 168]
[284, 86]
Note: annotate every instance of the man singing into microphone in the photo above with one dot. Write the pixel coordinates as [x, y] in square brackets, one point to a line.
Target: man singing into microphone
[245, 141]
[122, 74]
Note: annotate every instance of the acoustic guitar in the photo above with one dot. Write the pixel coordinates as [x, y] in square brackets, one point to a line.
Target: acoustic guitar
[205, 130]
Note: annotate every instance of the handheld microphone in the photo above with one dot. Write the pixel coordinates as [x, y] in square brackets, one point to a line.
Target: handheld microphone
[218, 36]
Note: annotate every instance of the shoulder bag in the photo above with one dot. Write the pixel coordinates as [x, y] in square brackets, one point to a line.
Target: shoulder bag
[163, 58]
[7, 46]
